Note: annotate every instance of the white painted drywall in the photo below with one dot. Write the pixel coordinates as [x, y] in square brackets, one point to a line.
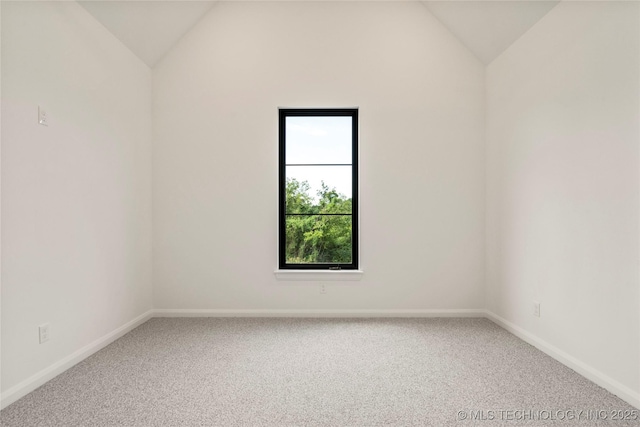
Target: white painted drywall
[148, 28]
[76, 195]
[215, 157]
[562, 184]
[0, 203]
[488, 27]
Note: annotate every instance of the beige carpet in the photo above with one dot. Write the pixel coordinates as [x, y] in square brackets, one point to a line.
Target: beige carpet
[318, 372]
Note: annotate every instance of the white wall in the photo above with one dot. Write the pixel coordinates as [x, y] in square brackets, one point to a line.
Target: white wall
[0, 204]
[215, 158]
[76, 195]
[562, 185]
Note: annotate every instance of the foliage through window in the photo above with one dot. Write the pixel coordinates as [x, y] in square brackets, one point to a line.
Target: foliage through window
[318, 188]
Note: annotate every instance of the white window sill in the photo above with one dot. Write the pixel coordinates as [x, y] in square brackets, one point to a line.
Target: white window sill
[319, 275]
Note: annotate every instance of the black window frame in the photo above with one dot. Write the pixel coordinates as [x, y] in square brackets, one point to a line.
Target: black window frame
[282, 214]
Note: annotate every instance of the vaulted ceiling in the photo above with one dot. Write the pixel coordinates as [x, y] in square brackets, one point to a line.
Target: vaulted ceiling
[487, 28]
[151, 28]
[148, 28]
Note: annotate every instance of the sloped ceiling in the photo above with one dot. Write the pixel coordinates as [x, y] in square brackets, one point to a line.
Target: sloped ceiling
[148, 28]
[488, 28]
[151, 28]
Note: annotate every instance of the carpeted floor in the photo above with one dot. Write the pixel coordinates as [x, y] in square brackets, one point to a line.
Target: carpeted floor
[318, 372]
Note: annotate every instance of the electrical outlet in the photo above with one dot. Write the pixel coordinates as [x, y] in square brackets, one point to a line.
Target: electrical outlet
[44, 333]
[536, 308]
[42, 116]
[323, 289]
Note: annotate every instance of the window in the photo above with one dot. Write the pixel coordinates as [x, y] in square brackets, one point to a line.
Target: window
[318, 189]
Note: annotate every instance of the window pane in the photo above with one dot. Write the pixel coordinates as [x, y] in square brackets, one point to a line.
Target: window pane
[318, 189]
[318, 239]
[318, 140]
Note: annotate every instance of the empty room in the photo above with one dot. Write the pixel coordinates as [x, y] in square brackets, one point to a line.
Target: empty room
[320, 213]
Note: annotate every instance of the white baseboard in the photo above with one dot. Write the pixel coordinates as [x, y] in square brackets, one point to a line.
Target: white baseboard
[623, 392]
[27, 386]
[316, 313]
